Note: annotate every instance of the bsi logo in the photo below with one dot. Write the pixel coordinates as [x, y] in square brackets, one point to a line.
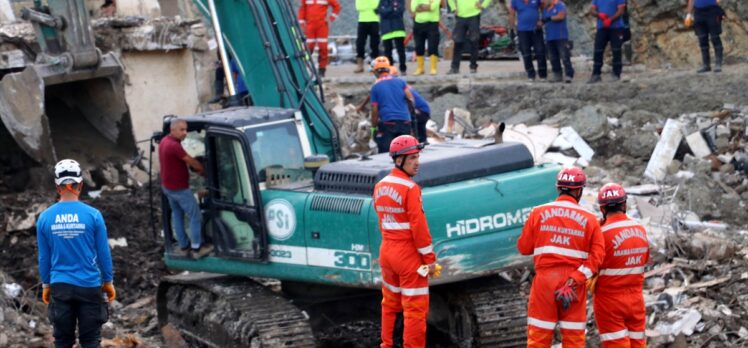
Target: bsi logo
[281, 219]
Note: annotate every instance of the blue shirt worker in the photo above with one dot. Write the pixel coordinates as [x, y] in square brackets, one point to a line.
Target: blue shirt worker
[557, 39]
[391, 102]
[706, 17]
[75, 263]
[610, 29]
[524, 15]
[422, 111]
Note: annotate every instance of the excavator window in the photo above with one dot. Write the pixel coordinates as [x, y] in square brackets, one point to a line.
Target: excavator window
[277, 153]
[232, 174]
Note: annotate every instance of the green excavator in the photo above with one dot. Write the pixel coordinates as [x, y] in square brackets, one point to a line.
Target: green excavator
[296, 239]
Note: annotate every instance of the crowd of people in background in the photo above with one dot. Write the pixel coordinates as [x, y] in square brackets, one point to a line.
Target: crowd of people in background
[540, 26]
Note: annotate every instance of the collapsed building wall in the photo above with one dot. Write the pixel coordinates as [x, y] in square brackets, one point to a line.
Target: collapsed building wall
[168, 69]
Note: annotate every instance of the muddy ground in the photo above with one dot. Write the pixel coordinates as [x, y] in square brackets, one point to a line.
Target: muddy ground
[640, 105]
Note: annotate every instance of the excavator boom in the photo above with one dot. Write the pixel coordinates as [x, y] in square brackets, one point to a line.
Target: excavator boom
[265, 41]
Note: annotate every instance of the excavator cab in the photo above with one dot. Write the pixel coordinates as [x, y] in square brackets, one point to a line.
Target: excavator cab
[70, 101]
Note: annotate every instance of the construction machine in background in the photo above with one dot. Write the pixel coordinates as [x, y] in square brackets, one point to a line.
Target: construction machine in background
[275, 209]
[65, 98]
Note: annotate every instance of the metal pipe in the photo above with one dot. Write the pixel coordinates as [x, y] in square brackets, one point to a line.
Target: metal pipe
[222, 48]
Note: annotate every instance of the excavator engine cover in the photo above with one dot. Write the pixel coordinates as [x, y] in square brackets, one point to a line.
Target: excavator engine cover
[439, 164]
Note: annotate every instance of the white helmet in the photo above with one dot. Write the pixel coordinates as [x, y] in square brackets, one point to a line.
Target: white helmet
[67, 171]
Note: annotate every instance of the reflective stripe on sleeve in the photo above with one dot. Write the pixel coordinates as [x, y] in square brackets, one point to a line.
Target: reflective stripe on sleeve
[614, 335]
[390, 287]
[636, 335]
[548, 325]
[415, 291]
[425, 250]
[396, 225]
[572, 325]
[587, 272]
[625, 223]
[395, 180]
[622, 271]
[560, 251]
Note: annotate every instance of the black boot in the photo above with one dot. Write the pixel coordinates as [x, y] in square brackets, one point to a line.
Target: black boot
[321, 72]
[718, 59]
[704, 58]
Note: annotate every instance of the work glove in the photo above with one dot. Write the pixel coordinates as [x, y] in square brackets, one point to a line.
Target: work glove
[46, 293]
[607, 23]
[108, 289]
[602, 15]
[688, 22]
[567, 294]
[547, 20]
[591, 284]
[436, 270]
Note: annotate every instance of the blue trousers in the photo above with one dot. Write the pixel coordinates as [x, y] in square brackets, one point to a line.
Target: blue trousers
[182, 203]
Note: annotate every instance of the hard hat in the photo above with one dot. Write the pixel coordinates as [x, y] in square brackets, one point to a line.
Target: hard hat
[571, 178]
[611, 194]
[405, 145]
[68, 171]
[394, 71]
[381, 63]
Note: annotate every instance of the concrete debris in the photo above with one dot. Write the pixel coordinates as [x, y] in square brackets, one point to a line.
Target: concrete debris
[664, 151]
[12, 290]
[118, 242]
[582, 148]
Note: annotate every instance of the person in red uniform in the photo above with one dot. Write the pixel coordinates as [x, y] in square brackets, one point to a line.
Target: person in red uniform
[406, 246]
[313, 20]
[618, 292]
[568, 247]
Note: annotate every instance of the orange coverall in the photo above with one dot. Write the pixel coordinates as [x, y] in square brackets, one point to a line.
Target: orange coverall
[619, 301]
[406, 245]
[566, 242]
[313, 19]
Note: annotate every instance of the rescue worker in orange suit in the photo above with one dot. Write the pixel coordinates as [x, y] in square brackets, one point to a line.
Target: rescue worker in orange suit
[568, 247]
[406, 247]
[314, 21]
[618, 292]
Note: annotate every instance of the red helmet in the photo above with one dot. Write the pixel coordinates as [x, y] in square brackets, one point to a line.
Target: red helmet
[405, 145]
[611, 194]
[571, 178]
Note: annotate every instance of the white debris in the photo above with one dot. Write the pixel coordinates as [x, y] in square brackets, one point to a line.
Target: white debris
[664, 151]
[118, 242]
[698, 145]
[580, 146]
[12, 290]
[685, 322]
[537, 138]
[646, 189]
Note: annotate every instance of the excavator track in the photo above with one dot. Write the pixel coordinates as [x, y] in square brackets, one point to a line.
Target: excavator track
[497, 314]
[220, 311]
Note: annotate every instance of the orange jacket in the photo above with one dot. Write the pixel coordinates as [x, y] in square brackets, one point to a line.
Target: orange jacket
[397, 201]
[626, 254]
[562, 233]
[316, 10]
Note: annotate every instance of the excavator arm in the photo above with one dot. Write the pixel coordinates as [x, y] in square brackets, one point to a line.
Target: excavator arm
[266, 43]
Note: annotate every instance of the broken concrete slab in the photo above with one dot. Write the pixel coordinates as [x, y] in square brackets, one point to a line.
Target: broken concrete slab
[580, 146]
[664, 151]
[537, 138]
[698, 145]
